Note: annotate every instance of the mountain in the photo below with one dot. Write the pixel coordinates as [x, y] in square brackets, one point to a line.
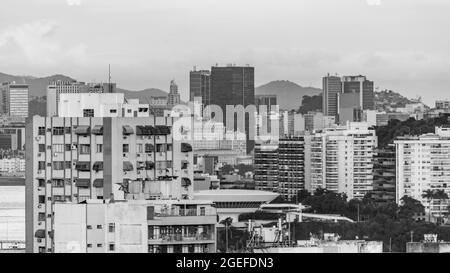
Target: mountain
[289, 94]
[143, 95]
[37, 86]
[388, 100]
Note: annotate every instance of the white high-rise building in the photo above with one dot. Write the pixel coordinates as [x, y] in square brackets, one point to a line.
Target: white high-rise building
[423, 163]
[73, 159]
[340, 159]
[100, 105]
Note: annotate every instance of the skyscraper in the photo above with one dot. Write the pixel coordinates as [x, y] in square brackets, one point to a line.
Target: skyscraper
[266, 167]
[199, 85]
[174, 97]
[234, 85]
[331, 87]
[291, 167]
[360, 84]
[15, 99]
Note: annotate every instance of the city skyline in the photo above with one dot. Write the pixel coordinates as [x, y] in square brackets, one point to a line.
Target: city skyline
[399, 53]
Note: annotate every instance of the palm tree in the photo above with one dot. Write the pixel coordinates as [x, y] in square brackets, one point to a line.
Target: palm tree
[440, 195]
[429, 195]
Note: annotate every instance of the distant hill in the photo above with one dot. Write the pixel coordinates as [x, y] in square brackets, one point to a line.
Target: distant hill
[37, 86]
[143, 95]
[289, 94]
[388, 100]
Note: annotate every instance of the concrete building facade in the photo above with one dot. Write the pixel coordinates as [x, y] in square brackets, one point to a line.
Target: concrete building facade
[75, 159]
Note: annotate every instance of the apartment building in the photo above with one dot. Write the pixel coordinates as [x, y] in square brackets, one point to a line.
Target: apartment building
[266, 167]
[14, 99]
[384, 175]
[100, 105]
[80, 158]
[423, 163]
[340, 159]
[135, 226]
[12, 165]
[291, 166]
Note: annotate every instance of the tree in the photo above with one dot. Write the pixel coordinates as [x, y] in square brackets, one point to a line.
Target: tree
[441, 196]
[302, 195]
[410, 207]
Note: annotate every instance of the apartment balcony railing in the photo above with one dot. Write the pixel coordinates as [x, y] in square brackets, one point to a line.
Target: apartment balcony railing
[181, 237]
[187, 212]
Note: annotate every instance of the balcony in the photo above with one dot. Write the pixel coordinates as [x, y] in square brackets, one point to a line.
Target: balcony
[181, 238]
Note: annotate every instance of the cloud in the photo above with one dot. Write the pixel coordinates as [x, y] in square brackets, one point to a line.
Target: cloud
[35, 44]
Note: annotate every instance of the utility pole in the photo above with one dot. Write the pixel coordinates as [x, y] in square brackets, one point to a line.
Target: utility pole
[226, 236]
[357, 206]
[390, 244]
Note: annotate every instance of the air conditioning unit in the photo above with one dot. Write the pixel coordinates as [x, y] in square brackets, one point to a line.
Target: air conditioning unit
[37, 138]
[139, 172]
[74, 147]
[39, 206]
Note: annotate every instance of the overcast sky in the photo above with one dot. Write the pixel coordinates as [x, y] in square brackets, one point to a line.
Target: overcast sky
[402, 45]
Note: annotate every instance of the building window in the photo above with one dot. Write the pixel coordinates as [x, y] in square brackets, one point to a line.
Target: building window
[58, 183]
[85, 149]
[58, 148]
[68, 165]
[113, 111]
[41, 148]
[41, 131]
[68, 130]
[41, 249]
[41, 165]
[89, 227]
[89, 245]
[58, 165]
[99, 245]
[58, 131]
[41, 216]
[140, 148]
[68, 147]
[125, 148]
[111, 227]
[99, 148]
[112, 247]
[41, 199]
[99, 226]
[88, 113]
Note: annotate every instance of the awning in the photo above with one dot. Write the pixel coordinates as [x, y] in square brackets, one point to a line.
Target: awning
[83, 166]
[185, 182]
[82, 183]
[149, 165]
[98, 183]
[127, 130]
[82, 130]
[98, 166]
[162, 130]
[145, 130]
[40, 233]
[127, 166]
[186, 147]
[149, 148]
[97, 130]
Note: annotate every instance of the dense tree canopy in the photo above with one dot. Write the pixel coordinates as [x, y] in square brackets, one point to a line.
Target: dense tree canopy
[387, 134]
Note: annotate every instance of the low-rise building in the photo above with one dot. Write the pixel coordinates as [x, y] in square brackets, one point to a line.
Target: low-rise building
[158, 226]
